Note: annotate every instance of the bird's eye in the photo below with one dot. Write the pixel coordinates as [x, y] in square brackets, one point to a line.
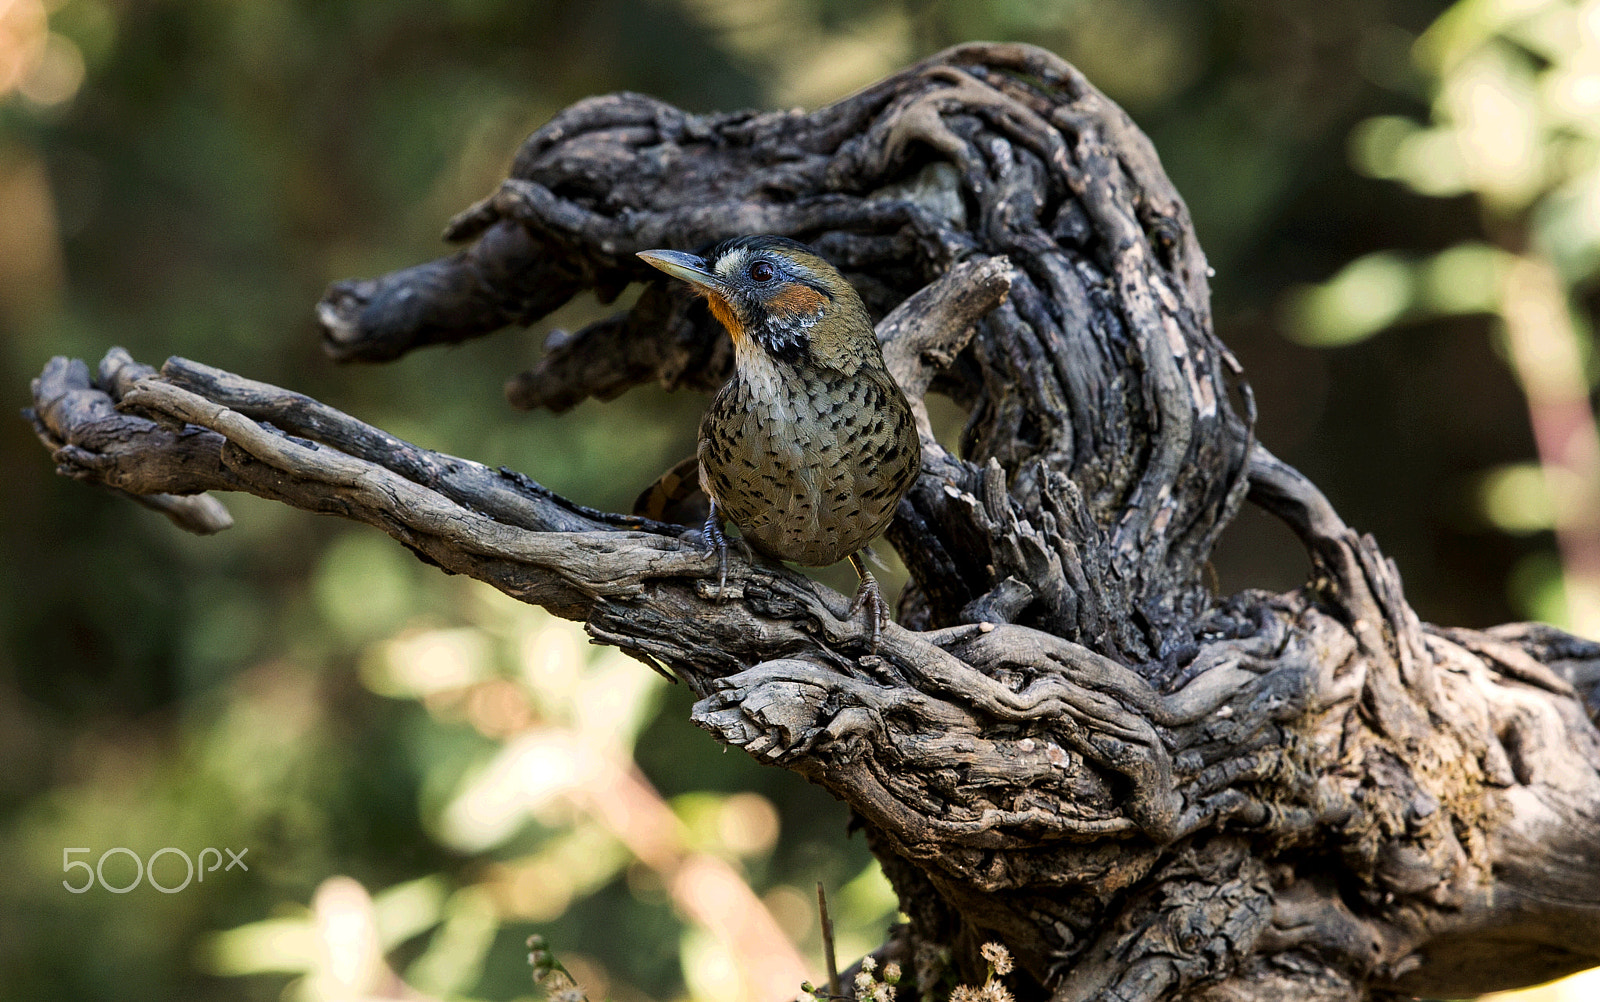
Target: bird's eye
[762, 271]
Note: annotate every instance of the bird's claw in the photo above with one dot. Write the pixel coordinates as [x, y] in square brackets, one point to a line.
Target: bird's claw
[712, 531]
[870, 597]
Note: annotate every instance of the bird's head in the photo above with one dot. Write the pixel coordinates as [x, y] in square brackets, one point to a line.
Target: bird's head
[778, 296]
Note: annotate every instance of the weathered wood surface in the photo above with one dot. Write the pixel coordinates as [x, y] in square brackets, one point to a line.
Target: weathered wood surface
[1069, 745]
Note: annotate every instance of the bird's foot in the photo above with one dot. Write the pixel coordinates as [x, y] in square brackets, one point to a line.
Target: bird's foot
[870, 597]
[712, 531]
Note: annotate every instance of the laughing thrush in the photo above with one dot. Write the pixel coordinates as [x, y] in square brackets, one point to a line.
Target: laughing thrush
[811, 444]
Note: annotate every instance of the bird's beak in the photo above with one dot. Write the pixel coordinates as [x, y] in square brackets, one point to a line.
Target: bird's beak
[688, 267]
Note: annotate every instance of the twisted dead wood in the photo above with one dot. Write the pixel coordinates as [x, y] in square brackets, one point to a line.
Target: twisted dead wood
[1069, 745]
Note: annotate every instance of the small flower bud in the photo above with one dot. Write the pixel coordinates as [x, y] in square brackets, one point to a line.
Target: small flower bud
[998, 957]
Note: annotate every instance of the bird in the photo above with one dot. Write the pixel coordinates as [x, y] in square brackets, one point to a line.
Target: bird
[810, 444]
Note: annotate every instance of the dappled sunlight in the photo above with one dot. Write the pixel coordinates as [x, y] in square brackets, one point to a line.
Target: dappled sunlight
[339, 930]
[525, 780]
[808, 54]
[337, 947]
[32, 272]
[568, 716]
[1549, 359]
[1583, 987]
[423, 769]
[1516, 498]
[1380, 290]
[572, 863]
[349, 960]
[1366, 296]
[42, 70]
[425, 662]
[554, 808]
[869, 892]
[1514, 84]
[747, 824]
[43, 67]
[1490, 98]
[809, 61]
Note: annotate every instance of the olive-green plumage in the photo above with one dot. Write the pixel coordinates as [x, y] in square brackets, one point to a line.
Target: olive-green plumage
[811, 444]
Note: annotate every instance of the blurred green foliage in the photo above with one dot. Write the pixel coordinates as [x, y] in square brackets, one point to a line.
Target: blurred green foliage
[1513, 122]
[186, 178]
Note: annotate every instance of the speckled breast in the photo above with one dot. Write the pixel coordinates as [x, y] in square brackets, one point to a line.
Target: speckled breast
[811, 470]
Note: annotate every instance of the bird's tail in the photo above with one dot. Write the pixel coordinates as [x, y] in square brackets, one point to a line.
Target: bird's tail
[675, 496]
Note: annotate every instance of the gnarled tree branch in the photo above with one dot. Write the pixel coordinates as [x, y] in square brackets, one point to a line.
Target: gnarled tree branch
[1068, 744]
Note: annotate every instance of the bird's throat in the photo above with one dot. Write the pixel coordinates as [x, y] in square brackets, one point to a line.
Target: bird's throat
[723, 311]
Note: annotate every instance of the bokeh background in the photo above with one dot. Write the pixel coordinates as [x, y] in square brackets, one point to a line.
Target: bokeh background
[1401, 203]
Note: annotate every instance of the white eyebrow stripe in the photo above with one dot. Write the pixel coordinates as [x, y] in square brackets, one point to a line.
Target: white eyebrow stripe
[732, 262]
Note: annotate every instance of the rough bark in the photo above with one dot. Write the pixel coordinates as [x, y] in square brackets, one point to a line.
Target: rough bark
[1069, 744]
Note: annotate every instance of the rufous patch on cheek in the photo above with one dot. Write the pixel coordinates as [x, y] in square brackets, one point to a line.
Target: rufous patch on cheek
[797, 300]
[724, 312]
